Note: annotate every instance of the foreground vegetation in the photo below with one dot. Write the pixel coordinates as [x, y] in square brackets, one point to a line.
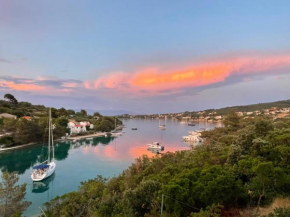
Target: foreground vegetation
[244, 164]
[22, 131]
[12, 202]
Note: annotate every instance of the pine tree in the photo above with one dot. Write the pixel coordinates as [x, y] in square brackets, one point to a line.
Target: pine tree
[12, 195]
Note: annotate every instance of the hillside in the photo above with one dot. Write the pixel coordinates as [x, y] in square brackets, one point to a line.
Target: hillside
[241, 167]
[253, 107]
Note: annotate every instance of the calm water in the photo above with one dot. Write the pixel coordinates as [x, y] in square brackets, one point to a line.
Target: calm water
[86, 159]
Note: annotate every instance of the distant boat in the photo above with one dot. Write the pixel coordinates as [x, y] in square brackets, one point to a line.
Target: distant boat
[191, 124]
[155, 145]
[162, 126]
[90, 138]
[134, 128]
[46, 168]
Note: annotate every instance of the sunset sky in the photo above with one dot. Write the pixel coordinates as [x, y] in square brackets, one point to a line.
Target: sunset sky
[145, 56]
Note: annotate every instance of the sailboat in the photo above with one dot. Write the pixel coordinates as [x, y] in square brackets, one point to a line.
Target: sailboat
[46, 168]
[190, 123]
[162, 126]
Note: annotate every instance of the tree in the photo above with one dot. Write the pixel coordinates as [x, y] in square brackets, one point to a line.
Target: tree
[10, 98]
[71, 112]
[262, 127]
[84, 112]
[267, 180]
[22, 132]
[97, 114]
[232, 120]
[62, 121]
[62, 112]
[12, 195]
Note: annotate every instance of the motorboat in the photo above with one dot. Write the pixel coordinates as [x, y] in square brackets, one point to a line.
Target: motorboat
[134, 128]
[46, 168]
[192, 138]
[155, 145]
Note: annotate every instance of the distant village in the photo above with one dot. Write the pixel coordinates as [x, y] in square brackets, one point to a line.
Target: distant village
[213, 115]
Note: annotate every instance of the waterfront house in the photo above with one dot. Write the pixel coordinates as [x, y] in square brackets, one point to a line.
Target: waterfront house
[218, 117]
[79, 127]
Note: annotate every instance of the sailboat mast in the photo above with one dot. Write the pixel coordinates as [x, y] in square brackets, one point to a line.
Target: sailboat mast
[49, 134]
[52, 144]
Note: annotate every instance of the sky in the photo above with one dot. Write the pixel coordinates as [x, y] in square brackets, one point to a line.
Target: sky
[145, 56]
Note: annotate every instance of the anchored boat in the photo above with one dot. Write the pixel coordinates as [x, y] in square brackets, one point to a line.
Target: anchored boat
[155, 145]
[46, 168]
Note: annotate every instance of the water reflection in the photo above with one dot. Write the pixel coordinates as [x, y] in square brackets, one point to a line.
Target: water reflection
[19, 160]
[42, 186]
[61, 151]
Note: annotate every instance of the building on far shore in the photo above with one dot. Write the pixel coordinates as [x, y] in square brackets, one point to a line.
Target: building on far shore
[6, 115]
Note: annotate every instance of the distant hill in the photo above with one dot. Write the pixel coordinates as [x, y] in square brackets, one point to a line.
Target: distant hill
[252, 107]
[107, 112]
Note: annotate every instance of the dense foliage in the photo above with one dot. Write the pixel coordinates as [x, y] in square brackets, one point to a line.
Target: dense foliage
[12, 195]
[244, 164]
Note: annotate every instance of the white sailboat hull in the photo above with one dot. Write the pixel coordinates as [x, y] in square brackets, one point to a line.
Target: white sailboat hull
[37, 176]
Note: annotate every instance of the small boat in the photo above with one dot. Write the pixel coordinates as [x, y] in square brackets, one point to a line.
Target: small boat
[191, 124]
[154, 151]
[155, 145]
[116, 134]
[46, 168]
[192, 138]
[134, 128]
[162, 127]
[90, 138]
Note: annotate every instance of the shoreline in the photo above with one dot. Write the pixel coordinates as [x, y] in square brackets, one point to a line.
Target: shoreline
[86, 136]
[18, 146]
[70, 138]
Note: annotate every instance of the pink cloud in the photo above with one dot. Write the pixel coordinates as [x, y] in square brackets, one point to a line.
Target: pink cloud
[153, 80]
[21, 86]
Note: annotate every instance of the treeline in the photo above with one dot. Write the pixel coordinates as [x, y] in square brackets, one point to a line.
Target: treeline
[242, 165]
[21, 131]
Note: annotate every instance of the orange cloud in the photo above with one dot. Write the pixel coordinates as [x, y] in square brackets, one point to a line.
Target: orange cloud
[154, 79]
[23, 87]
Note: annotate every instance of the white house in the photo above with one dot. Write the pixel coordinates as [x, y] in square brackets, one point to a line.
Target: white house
[80, 127]
[218, 117]
[77, 129]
